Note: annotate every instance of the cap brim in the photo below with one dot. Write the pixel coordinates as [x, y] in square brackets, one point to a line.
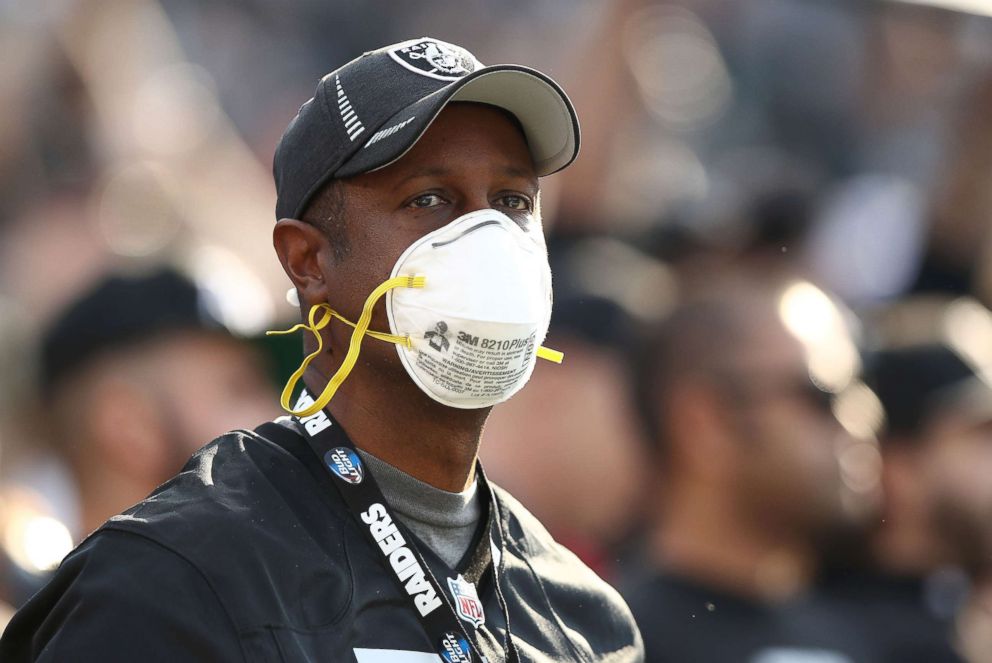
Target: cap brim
[542, 107]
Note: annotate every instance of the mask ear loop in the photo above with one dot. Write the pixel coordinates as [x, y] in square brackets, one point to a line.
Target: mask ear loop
[361, 328]
[548, 354]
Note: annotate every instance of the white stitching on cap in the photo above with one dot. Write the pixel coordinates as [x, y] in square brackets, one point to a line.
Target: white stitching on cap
[353, 125]
[385, 133]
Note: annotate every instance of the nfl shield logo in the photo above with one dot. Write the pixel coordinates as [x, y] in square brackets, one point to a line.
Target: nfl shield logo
[467, 602]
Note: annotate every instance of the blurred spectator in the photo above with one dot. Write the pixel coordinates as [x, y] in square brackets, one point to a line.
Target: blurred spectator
[574, 424]
[934, 540]
[744, 389]
[957, 258]
[134, 376]
[571, 430]
[914, 215]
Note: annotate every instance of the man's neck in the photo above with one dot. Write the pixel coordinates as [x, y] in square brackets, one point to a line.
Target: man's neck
[405, 428]
[709, 545]
[904, 546]
[446, 522]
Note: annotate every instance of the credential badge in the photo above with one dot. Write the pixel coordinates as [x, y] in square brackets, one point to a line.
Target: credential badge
[434, 58]
[467, 602]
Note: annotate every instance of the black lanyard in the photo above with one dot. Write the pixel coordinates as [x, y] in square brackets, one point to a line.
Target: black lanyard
[395, 547]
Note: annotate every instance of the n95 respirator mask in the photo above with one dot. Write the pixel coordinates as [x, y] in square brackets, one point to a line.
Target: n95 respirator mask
[468, 305]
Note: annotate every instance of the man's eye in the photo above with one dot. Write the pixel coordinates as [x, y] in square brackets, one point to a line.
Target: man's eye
[426, 200]
[514, 202]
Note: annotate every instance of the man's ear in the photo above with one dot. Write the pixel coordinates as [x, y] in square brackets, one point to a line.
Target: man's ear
[302, 250]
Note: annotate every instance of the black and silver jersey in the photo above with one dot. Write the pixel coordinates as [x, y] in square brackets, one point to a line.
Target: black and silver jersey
[246, 556]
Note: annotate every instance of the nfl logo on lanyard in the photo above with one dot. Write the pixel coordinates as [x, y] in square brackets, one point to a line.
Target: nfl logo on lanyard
[467, 602]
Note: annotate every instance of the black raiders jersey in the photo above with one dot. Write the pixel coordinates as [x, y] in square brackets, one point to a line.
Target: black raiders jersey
[246, 556]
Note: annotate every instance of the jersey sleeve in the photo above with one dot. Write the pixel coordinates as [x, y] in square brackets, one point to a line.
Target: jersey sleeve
[122, 597]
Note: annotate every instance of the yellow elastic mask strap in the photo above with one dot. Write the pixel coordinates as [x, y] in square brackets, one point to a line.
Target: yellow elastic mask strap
[361, 328]
[331, 313]
[550, 355]
[381, 336]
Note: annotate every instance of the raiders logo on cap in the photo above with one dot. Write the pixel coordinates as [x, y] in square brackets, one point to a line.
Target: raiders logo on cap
[434, 58]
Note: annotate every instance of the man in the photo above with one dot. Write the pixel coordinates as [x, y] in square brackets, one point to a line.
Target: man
[362, 528]
[738, 388]
[550, 462]
[134, 374]
[933, 543]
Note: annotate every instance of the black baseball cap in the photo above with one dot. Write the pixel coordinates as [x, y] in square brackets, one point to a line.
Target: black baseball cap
[118, 311]
[918, 382]
[371, 111]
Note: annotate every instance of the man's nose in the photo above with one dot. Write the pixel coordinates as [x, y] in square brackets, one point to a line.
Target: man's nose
[468, 208]
[473, 202]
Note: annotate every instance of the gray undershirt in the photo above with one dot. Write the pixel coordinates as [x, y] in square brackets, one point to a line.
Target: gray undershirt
[445, 521]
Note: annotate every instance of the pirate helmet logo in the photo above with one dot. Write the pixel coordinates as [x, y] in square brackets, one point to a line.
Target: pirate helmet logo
[434, 58]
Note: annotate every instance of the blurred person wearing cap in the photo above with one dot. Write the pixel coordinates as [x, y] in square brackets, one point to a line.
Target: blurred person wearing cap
[548, 445]
[929, 556]
[134, 374]
[739, 389]
[361, 527]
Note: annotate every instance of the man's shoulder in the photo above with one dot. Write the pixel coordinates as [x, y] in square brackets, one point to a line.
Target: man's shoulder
[233, 513]
[523, 528]
[235, 483]
[579, 600]
[896, 613]
[531, 538]
[99, 603]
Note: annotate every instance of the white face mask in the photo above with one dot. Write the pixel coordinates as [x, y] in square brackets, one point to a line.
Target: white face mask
[476, 326]
[468, 305]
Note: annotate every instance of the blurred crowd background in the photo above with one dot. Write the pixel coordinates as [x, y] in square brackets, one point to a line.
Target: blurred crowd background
[773, 427]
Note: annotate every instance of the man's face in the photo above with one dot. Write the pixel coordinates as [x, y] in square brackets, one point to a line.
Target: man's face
[788, 471]
[471, 157]
[207, 384]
